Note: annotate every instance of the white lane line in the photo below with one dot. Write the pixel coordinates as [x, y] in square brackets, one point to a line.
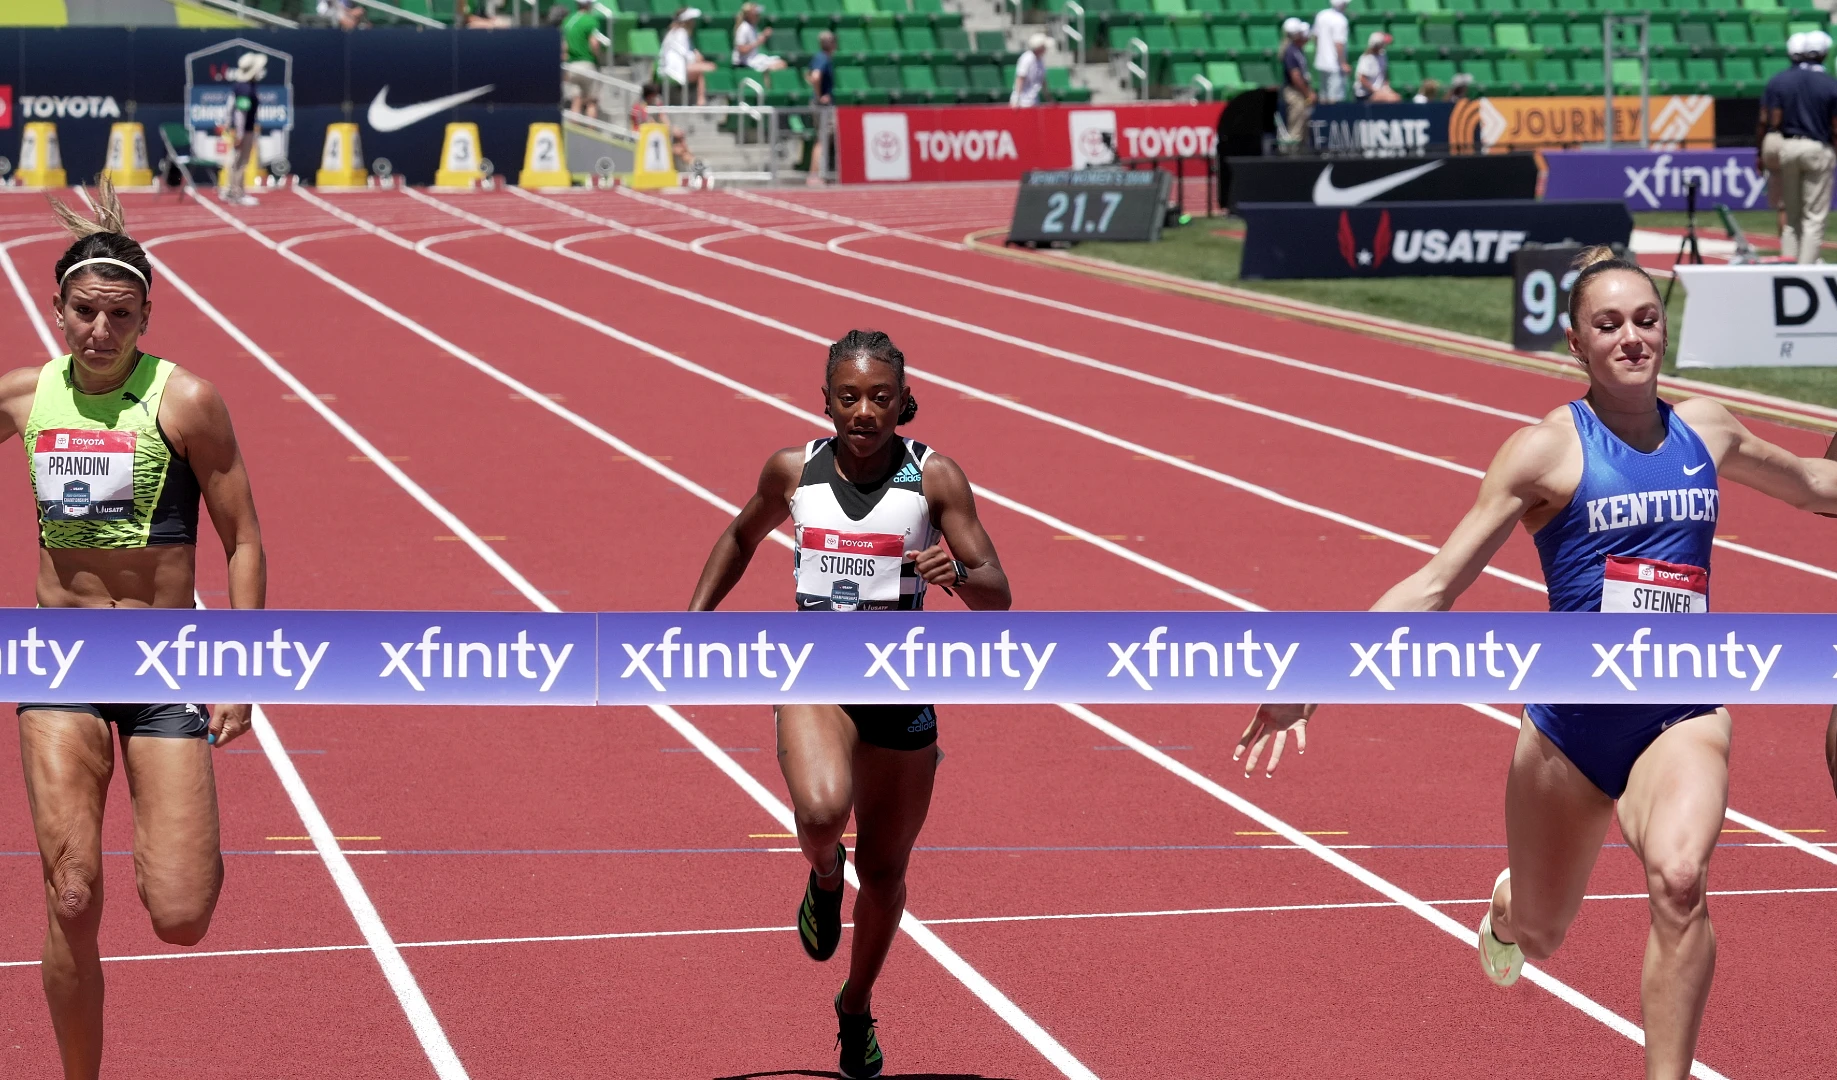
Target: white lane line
[378, 942]
[838, 246]
[638, 935]
[1459, 931]
[766, 799]
[561, 248]
[999, 1003]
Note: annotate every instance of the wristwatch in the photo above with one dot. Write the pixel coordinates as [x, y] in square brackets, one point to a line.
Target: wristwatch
[963, 573]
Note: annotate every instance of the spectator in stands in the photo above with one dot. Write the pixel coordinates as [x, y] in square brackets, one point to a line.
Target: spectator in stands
[1767, 157]
[749, 43]
[1374, 78]
[1803, 106]
[1030, 73]
[1297, 91]
[641, 115]
[1430, 90]
[822, 80]
[1332, 30]
[583, 43]
[344, 14]
[678, 61]
[1460, 88]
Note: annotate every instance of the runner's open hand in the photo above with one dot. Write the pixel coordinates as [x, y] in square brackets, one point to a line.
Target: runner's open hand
[934, 565]
[1274, 721]
[229, 721]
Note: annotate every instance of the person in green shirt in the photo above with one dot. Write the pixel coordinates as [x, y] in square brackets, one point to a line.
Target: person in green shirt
[583, 42]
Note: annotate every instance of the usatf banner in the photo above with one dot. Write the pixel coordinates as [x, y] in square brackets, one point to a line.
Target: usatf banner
[649, 658]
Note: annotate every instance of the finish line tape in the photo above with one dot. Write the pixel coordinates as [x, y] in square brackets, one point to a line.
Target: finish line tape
[649, 658]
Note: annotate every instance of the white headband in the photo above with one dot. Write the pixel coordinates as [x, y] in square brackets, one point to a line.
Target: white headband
[112, 262]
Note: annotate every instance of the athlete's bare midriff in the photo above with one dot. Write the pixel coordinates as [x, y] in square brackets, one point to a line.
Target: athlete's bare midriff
[163, 576]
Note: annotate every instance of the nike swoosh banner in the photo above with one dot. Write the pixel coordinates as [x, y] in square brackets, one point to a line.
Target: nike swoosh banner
[737, 658]
[1453, 179]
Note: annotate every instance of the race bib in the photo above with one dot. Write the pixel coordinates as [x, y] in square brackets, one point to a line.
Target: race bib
[844, 571]
[1648, 587]
[84, 475]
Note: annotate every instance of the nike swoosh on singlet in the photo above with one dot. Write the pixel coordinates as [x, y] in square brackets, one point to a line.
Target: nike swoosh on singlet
[1692, 472]
[1325, 194]
[386, 117]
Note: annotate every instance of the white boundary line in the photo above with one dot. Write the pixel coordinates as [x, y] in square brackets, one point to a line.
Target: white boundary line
[918, 930]
[999, 1003]
[977, 920]
[419, 1013]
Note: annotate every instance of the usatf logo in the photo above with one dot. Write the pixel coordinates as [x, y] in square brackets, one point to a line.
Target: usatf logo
[1356, 256]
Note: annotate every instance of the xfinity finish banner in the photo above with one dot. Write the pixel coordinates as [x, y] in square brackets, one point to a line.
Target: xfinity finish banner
[1658, 179]
[1775, 315]
[654, 658]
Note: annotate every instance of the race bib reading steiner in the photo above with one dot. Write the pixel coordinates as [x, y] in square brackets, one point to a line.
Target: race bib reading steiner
[848, 571]
[1647, 586]
[84, 475]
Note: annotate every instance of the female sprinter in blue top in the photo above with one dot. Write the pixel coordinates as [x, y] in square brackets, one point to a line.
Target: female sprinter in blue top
[869, 508]
[1662, 768]
[120, 446]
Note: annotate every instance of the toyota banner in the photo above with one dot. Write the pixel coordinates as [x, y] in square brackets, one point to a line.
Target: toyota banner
[946, 143]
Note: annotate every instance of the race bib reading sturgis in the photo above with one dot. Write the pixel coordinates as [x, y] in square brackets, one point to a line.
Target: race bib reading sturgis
[840, 571]
[84, 475]
[1647, 586]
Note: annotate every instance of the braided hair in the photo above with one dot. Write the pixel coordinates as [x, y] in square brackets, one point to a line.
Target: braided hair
[103, 237]
[873, 345]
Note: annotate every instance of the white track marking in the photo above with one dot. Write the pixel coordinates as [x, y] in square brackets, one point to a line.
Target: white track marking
[838, 247]
[997, 1002]
[378, 942]
[560, 248]
[1459, 931]
[964, 972]
[976, 920]
[1185, 579]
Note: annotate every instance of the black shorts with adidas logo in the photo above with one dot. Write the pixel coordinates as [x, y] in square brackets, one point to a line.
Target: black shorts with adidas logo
[895, 727]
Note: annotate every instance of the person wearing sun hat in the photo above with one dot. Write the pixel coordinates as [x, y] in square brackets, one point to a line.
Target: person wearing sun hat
[1297, 91]
[677, 60]
[241, 126]
[1800, 104]
[1372, 82]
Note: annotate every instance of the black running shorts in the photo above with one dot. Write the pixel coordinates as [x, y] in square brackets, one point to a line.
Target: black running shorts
[158, 721]
[895, 727]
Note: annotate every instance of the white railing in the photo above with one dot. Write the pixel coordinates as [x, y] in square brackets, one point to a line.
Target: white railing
[1071, 26]
[247, 12]
[1203, 88]
[599, 126]
[1016, 15]
[404, 15]
[1609, 23]
[764, 119]
[1140, 71]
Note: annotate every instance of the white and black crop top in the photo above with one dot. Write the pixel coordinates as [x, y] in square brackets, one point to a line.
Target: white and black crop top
[856, 542]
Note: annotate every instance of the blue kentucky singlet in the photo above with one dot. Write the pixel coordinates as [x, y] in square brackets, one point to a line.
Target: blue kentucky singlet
[1636, 536]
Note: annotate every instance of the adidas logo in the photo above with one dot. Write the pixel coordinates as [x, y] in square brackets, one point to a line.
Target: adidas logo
[908, 475]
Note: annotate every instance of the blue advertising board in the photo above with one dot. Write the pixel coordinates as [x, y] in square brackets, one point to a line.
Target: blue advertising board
[1393, 130]
[1657, 179]
[1143, 657]
[1414, 239]
[401, 86]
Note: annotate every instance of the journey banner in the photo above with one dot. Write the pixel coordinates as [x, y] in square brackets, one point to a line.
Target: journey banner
[1532, 123]
[1645, 656]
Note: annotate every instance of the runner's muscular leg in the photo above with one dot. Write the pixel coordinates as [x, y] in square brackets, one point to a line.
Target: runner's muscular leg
[1555, 820]
[178, 866]
[1672, 814]
[69, 759]
[895, 797]
[816, 753]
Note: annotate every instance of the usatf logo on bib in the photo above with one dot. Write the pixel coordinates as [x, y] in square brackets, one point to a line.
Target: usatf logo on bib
[85, 475]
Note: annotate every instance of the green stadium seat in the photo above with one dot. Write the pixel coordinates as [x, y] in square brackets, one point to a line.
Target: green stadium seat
[1744, 73]
[1696, 33]
[1549, 36]
[860, 7]
[883, 40]
[1192, 36]
[1442, 71]
[1667, 74]
[1208, 8]
[720, 80]
[645, 42]
[1439, 33]
[1552, 74]
[953, 80]
[1530, 6]
[1170, 7]
[991, 41]
[986, 78]
[1483, 71]
[1159, 36]
[851, 82]
[852, 41]
[916, 83]
[1460, 5]
[1138, 7]
[1228, 38]
[1498, 6]
[918, 39]
[1259, 73]
[1423, 6]
[1769, 31]
[1515, 73]
[713, 43]
[1762, 5]
[1514, 36]
[1225, 76]
[1771, 66]
[1475, 35]
[894, 7]
[1586, 37]
[1264, 36]
[808, 38]
[1406, 75]
[1700, 72]
[1181, 72]
[883, 76]
[1732, 34]
[1405, 33]
[954, 39]
[1626, 76]
[1614, 5]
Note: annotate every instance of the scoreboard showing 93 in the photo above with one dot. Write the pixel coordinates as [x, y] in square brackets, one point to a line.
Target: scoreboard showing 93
[1541, 277]
[1067, 205]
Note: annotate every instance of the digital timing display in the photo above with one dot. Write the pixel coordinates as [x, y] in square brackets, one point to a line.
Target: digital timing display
[1067, 205]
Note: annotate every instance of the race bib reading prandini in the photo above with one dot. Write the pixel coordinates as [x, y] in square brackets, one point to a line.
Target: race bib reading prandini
[84, 475]
[1648, 586]
[845, 571]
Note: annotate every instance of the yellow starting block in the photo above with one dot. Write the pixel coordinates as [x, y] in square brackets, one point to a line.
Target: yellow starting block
[545, 159]
[461, 162]
[342, 163]
[127, 156]
[40, 162]
[655, 165]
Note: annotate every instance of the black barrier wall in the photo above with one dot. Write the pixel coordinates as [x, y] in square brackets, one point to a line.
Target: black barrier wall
[85, 78]
[1356, 181]
[1466, 239]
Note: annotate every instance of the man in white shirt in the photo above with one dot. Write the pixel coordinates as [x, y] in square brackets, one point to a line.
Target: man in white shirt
[1331, 60]
[1030, 73]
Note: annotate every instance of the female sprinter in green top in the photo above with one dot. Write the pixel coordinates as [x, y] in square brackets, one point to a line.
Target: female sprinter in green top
[119, 446]
[869, 508]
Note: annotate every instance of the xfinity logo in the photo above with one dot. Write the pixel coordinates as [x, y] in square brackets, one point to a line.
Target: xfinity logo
[182, 656]
[1201, 659]
[1432, 657]
[958, 659]
[35, 107]
[1640, 659]
[1730, 180]
[656, 661]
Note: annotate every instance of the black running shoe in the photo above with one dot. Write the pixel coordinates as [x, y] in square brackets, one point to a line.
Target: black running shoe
[861, 1056]
[819, 917]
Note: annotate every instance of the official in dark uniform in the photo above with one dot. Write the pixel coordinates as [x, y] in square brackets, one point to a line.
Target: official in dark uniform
[1800, 105]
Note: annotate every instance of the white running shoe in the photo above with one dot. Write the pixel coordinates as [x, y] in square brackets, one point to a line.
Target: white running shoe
[1501, 961]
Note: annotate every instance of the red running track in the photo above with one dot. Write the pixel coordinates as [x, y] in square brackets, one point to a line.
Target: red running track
[540, 824]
